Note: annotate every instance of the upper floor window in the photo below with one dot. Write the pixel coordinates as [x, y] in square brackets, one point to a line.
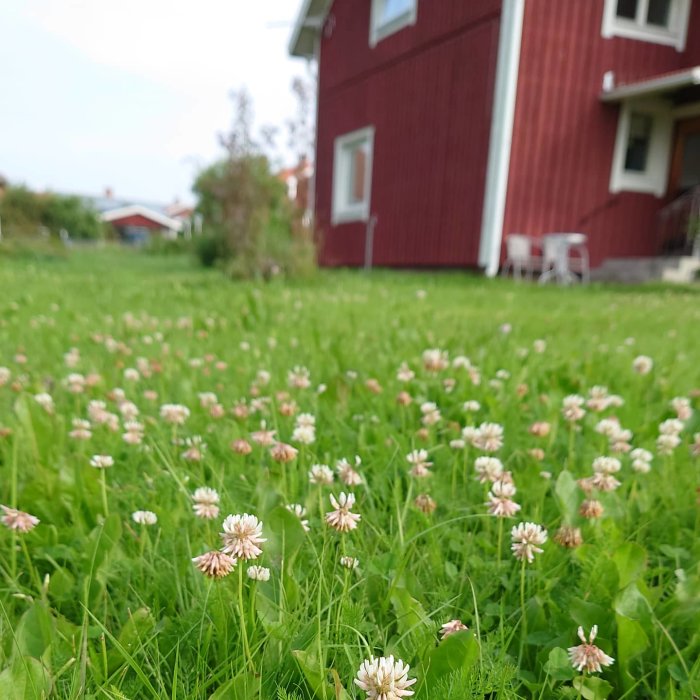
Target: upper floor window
[656, 21]
[352, 176]
[388, 16]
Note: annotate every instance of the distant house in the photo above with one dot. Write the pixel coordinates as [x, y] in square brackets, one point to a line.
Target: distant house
[298, 180]
[135, 222]
[444, 125]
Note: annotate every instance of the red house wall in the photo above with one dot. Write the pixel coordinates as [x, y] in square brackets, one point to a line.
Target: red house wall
[564, 136]
[428, 91]
[137, 220]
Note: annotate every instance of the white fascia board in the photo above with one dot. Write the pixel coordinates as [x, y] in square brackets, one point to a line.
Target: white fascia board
[311, 17]
[654, 86]
[502, 121]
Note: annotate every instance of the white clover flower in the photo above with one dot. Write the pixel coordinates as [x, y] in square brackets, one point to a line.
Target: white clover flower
[144, 517]
[527, 540]
[306, 420]
[304, 434]
[681, 405]
[642, 364]
[45, 401]
[384, 678]
[18, 520]
[452, 627]
[206, 502]
[405, 373]
[320, 474]
[500, 501]
[347, 474]
[175, 414]
[242, 535]
[258, 573]
[672, 426]
[299, 378]
[488, 469]
[489, 437]
[572, 408]
[435, 360]
[420, 464]
[587, 656]
[101, 461]
[341, 518]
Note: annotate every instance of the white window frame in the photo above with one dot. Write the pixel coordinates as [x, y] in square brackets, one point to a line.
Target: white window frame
[378, 31]
[654, 179]
[675, 35]
[343, 211]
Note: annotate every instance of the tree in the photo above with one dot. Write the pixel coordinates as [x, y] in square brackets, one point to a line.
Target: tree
[248, 220]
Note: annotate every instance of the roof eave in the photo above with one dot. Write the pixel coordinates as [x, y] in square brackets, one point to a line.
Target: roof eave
[313, 13]
[138, 210]
[654, 86]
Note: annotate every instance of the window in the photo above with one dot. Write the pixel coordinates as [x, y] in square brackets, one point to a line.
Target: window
[388, 16]
[638, 142]
[643, 148]
[352, 176]
[657, 21]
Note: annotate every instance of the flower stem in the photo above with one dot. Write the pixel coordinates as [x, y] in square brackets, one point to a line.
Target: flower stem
[32, 571]
[500, 543]
[523, 624]
[103, 482]
[241, 612]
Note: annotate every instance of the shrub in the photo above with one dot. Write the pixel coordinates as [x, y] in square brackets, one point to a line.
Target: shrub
[252, 228]
[26, 213]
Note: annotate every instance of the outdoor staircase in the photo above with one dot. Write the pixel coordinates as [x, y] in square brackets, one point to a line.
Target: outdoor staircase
[679, 269]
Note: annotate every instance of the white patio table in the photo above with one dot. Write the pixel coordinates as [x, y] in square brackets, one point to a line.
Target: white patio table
[555, 256]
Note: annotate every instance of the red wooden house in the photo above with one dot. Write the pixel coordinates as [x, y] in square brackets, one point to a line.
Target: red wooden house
[444, 125]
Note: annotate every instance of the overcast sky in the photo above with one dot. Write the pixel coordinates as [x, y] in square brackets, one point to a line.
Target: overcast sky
[131, 94]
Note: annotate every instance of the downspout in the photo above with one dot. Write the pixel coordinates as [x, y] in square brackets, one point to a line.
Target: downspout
[502, 120]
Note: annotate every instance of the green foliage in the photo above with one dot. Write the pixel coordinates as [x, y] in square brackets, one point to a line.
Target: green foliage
[251, 228]
[26, 213]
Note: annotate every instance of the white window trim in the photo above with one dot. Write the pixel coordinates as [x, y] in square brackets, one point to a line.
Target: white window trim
[341, 212]
[635, 29]
[378, 32]
[654, 180]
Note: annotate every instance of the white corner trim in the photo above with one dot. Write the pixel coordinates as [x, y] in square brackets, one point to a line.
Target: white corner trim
[676, 35]
[377, 33]
[341, 211]
[654, 180]
[501, 138]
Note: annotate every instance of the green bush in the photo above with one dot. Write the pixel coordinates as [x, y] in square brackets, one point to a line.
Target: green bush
[157, 245]
[253, 230]
[209, 250]
[25, 214]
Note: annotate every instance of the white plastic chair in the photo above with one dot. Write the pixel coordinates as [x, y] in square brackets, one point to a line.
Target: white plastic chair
[557, 261]
[519, 255]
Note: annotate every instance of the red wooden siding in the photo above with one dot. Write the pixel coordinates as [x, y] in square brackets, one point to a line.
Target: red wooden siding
[428, 91]
[564, 136]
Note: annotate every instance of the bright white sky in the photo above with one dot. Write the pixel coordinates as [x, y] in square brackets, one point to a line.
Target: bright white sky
[131, 94]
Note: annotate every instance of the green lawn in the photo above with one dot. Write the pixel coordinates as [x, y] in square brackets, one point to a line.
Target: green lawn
[96, 605]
